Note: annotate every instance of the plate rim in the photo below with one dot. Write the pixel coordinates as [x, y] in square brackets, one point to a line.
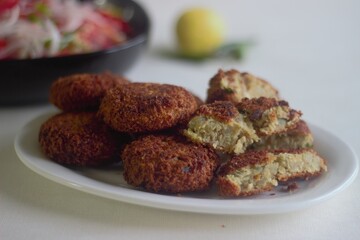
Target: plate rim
[195, 205]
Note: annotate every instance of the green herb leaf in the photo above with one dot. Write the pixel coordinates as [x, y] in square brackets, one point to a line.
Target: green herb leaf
[33, 18]
[42, 8]
[67, 39]
[47, 43]
[235, 50]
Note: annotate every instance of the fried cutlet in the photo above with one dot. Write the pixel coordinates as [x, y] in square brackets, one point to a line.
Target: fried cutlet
[79, 139]
[254, 172]
[168, 163]
[82, 92]
[146, 107]
[233, 86]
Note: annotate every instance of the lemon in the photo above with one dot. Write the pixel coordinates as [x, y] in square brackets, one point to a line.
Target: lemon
[200, 31]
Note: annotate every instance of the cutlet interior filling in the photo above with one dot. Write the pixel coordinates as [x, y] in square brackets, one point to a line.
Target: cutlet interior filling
[257, 88]
[256, 177]
[291, 164]
[233, 136]
[275, 119]
[280, 167]
[234, 84]
[285, 141]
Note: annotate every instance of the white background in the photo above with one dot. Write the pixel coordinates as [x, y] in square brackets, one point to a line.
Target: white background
[308, 49]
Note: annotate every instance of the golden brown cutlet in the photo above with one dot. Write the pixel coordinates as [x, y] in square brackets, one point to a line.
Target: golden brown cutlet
[146, 107]
[233, 86]
[83, 92]
[168, 163]
[79, 139]
[254, 172]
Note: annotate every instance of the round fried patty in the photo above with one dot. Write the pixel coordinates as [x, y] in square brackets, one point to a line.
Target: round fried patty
[82, 91]
[144, 107]
[78, 139]
[164, 163]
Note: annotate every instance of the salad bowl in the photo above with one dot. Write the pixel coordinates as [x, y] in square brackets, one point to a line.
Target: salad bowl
[27, 81]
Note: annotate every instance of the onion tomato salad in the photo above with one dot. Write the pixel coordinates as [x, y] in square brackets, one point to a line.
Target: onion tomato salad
[47, 28]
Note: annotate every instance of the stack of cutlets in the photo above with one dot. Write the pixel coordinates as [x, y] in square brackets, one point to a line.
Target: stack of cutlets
[267, 141]
[244, 138]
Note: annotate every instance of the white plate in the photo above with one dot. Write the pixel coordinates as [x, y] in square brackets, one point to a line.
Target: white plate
[108, 182]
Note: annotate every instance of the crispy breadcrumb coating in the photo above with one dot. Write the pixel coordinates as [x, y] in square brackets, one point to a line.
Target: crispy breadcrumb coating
[146, 107]
[79, 139]
[82, 92]
[168, 163]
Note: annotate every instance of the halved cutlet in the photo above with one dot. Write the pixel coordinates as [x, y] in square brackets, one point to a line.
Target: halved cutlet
[268, 115]
[246, 174]
[254, 172]
[298, 137]
[298, 163]
[232, 128]
[221, 126]
[233, 86]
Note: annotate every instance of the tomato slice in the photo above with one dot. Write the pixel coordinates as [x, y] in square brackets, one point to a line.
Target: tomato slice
[116, 21]
[3, 43]
[7, 4]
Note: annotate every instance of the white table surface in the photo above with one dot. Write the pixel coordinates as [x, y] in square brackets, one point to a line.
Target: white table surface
[308, 49]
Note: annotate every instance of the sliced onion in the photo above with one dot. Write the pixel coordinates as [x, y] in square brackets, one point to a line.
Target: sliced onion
[5, 25]
[55, 37]
[31, 36]
[69, 14]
